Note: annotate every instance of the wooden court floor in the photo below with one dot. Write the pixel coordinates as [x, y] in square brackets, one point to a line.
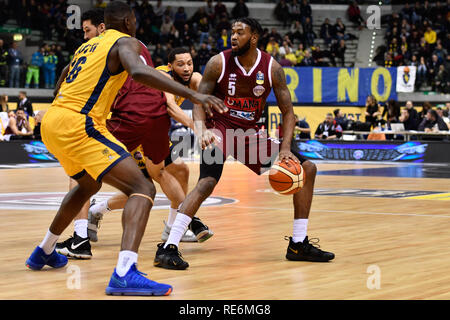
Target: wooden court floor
[386, 248]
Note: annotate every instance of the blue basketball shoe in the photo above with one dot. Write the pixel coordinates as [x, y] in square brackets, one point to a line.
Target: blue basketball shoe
[38, 259]
[135, 284]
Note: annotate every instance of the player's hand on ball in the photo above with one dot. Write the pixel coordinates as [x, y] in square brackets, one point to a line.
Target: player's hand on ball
[209, 102]
[285, 155]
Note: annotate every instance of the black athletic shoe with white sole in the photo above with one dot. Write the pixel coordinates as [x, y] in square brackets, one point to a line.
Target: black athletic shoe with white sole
[308, 250]
[201, 230]
[75, 247]
[169, 258]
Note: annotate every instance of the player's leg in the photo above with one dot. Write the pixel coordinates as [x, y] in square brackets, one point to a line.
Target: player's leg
[172, 189]
[77, 246]
[180, 171]
[71, 205]
[300, 248]
[167, 255]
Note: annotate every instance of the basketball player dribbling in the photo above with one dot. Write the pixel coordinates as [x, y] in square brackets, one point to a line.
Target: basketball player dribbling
[141, 115]
[243, 78]
[74, 130]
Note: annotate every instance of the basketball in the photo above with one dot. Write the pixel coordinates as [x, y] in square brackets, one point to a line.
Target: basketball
[287, 178]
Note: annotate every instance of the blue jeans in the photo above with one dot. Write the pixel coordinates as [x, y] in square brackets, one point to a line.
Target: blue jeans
[14, 76]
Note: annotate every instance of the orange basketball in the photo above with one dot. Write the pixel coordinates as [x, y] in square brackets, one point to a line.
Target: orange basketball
[287, 178]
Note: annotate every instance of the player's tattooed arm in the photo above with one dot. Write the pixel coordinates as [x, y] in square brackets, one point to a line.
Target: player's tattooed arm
[285, 104]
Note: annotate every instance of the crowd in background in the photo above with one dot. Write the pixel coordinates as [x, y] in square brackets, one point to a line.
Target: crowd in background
[418, 35]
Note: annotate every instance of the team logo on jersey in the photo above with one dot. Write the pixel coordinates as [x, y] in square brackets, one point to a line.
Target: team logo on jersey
[138, 155]
[258, 90]
[249, 116]
[259, 78]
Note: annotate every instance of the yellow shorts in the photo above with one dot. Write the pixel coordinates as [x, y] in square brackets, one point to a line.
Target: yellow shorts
[80, 144]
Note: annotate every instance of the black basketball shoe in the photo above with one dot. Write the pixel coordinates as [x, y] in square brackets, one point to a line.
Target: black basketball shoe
[169, 258]
[307, 250]
[75, 247]
[200, 230]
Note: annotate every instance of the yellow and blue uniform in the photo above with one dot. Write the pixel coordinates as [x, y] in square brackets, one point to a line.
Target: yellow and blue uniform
[74, 127]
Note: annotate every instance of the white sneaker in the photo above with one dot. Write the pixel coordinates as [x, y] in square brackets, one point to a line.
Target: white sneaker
[188, 236]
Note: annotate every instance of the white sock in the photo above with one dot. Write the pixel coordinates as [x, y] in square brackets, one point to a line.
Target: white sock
[80, 227]
[126, 260]
[102, 207]
[178, 229]
[49, 242]
[300, 230]
[171, 217]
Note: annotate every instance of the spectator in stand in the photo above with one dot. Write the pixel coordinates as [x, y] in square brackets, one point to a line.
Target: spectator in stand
[187, 37]
[389, 61]
[309, 32]
[412, 112]
[220, 9]
[302, 129]
[18, 127]
[34, 68]
[319, 56]
[430, 36]
[433, 69]
[285, 48]
[100, 4]
[441, 81]
[296, 31]
[273, 48]
[209, 11]
[307, 60]
[37, 125]
[224, 41]
[338, 31]
[425, 107]
[223, 24]
[408, 122]
[282, 13]
[240, 10]
[326, 32]
[4, 103]
[15, 62]
[328, 129]
[50, 62]
[166, 27]
[338, 51]
[295, 11]
[180, 19]
[432, 122]
[3, 64]
[354, 14]
[391, 111]
[443, 113]
[159, 52]
[373, 114]
[305, 11]
[174, 37]
[274, 33]
[203, 27]
[342, 120]
[25, 104]
[299, 54]
[421, 73]
[203, 56]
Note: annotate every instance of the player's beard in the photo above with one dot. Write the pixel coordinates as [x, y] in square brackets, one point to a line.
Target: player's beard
[180, 79]
[241, 51]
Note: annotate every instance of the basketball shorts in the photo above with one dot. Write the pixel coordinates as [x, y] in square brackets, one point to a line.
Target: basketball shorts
[152, 136]
[80, 144]
[251, 147]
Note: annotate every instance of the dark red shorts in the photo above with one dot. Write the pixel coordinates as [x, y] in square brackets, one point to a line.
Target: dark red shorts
[152, 135]
[251, 147]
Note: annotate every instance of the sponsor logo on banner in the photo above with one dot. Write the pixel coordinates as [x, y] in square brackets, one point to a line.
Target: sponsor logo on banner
[258, 90]
[37, 151]
[52, 200]
[406, 78]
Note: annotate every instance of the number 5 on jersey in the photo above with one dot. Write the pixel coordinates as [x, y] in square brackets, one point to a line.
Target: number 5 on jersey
[76, 67]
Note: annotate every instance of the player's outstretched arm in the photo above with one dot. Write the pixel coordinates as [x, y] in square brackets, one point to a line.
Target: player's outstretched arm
[128, 50]
[285, 104]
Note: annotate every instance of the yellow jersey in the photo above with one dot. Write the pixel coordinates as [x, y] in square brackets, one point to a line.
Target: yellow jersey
[90, 88]
[179, 100]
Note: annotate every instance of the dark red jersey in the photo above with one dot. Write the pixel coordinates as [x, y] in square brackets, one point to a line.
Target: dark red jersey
[136, 102]
[244, 93]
